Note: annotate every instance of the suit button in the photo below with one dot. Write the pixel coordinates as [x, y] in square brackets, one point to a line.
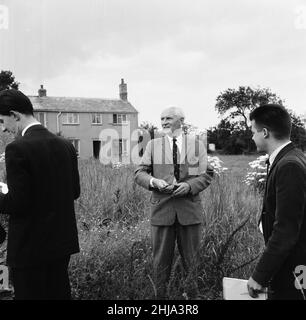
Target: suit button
[264, 212]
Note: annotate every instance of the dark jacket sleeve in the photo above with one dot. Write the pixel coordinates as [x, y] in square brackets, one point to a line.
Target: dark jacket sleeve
[75, 173]
[289, 215]
[18, 198]
[144, 172]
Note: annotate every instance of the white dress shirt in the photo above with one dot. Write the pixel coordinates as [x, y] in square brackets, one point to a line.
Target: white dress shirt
[179, 143]
[28, 126]
[276, 152]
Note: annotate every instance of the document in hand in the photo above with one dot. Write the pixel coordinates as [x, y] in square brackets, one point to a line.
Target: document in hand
[3, 188]
[236, 289]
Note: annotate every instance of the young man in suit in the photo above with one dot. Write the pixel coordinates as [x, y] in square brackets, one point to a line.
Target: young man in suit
[43, 182]
[174, 168]
[283, 217]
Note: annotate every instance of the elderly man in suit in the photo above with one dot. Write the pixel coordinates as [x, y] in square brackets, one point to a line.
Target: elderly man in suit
[174, 167]
[43, 182]
[283, 217]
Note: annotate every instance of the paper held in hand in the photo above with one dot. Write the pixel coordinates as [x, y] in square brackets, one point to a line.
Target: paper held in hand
[3, 188]
[236, 289]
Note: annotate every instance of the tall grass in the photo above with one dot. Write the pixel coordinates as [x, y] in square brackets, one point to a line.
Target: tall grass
[115, 261]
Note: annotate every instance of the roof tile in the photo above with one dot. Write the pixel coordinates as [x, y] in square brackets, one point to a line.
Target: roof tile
[65, 104]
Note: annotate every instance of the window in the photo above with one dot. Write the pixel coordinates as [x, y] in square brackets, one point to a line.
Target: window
[42, 118]
[120, 146]
[70, 118]
[96, 118]
[119, 118]
[76, 144]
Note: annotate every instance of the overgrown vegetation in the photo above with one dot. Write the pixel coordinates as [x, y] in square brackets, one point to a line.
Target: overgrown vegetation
[115, 261]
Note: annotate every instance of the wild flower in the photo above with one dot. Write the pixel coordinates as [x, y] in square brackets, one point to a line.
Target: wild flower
[256, 177]
[118, 165]
[217, 164]
[2, 157]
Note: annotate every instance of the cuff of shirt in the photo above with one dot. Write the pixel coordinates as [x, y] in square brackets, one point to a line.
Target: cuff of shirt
[151, 183]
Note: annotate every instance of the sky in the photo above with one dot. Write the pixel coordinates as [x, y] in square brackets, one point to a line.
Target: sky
[180, 53]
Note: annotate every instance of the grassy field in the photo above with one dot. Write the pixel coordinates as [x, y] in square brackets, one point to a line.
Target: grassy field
[237, 165]
[115, 261]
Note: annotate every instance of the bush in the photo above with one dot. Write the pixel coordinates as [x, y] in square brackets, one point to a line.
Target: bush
[256, 177]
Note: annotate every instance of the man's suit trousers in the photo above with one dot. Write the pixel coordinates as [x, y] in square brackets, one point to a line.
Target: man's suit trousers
[48, 281]
[164, 238]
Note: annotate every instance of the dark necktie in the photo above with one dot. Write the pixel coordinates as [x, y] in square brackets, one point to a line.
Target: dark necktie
[175, 160]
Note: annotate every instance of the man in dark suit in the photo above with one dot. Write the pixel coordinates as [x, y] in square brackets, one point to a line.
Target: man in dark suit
[283, 217]
[43, 182]
[174, 167]
[2, 234]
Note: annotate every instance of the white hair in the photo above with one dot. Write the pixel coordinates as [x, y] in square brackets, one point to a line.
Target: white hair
[176, 111]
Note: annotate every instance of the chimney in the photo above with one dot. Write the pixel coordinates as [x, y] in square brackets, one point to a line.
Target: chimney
[42, 92]
[123, 90]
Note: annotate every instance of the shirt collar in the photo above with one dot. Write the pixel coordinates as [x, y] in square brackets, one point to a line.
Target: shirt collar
[178, 138]
[276, 152]
[28, 126]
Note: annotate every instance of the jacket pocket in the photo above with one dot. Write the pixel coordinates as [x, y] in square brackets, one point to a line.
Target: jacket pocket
[154, 200]
[196, 198]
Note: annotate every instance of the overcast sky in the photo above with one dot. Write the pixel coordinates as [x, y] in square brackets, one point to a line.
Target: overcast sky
[170, 52]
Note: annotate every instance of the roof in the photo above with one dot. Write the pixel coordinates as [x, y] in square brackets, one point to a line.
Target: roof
[65, 104]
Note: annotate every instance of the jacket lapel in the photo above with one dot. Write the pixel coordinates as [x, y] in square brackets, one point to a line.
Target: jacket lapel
[184, 148]
[286, 149]
[166, 151]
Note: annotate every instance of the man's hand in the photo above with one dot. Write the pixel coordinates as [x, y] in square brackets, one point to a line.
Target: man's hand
[160, 184]
[182, 189]
[254, 288]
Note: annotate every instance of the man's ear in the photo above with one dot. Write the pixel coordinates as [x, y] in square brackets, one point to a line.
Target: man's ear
[15, 115]
[266, 133]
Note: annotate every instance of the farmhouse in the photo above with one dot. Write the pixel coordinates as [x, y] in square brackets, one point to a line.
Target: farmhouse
[93, 125]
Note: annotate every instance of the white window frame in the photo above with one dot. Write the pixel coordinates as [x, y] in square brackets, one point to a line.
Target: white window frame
[44, 123]
[119, 118]
[124, 146]
[95, 116]
[70, 118]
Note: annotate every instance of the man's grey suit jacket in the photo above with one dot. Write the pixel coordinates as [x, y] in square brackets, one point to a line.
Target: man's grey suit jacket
[157, 162]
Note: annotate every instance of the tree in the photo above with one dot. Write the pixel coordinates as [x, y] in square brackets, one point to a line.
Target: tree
[188, 128]
[236, 104]
[298, 132]
[149, 127]
[230, 138]
[7, 80]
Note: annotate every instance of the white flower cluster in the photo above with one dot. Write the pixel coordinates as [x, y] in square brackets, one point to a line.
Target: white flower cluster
[216, 163]
[257, 176]
[2, 157]
[117, 165]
